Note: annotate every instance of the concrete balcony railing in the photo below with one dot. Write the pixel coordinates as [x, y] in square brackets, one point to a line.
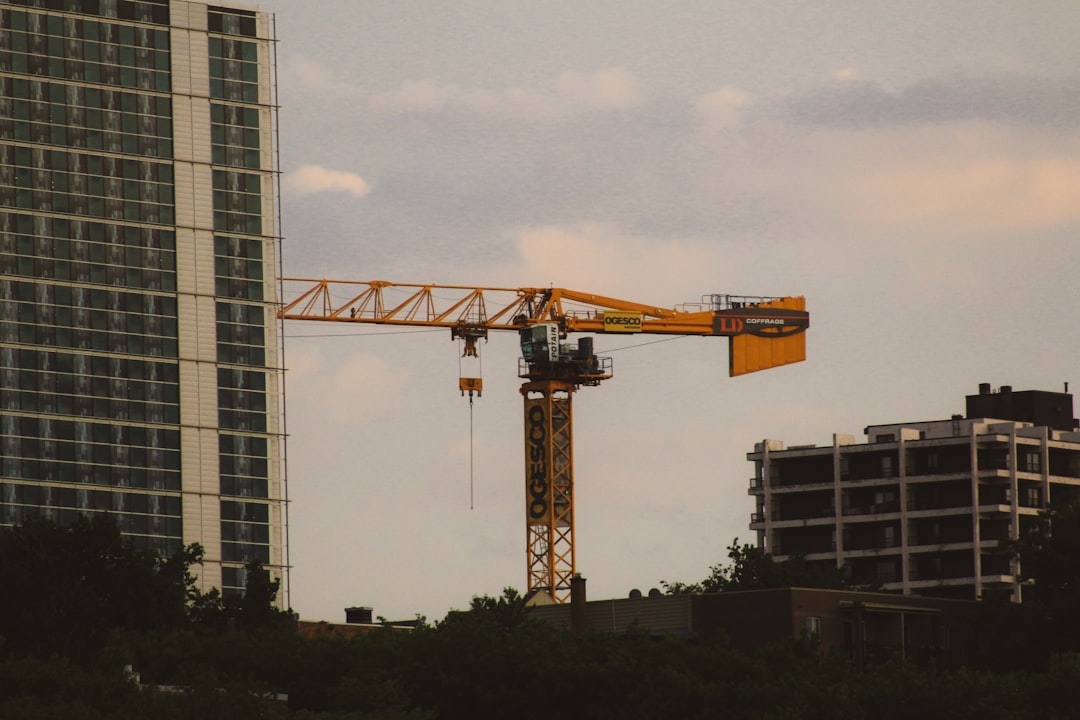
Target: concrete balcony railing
[875, 509]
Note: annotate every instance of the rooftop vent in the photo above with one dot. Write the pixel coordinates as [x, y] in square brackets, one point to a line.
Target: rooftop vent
[358, 615]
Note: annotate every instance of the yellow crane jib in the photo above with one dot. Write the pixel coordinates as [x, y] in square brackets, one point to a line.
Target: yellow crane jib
[763, 332]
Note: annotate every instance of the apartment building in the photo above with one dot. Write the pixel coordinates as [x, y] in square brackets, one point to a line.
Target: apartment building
[140, 362]
[923, 507]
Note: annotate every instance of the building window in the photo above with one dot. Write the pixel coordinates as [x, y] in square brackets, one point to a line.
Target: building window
[244, 466]
[231, 21]
[241, 400]
[884, 499]
[932, 532]
[97, 386]
[237, 202]
[86, 118]
[885, 571]
[241, 334]
[813, 627]
[238, 268]
[245, 532]
[234, 70]
[151, 521]
[235, 136]
[92, 51]
[108, 187]
[886, 466]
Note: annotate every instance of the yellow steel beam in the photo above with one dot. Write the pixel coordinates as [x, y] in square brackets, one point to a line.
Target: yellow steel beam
[549, 487]
[503, 308]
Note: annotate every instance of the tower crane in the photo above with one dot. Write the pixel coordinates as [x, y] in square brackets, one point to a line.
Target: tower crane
[764, 332]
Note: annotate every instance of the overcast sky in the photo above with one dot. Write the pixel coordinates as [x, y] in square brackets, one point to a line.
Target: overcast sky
[912, 168]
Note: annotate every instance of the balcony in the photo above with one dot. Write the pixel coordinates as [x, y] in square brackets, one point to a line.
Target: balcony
[955, 566]
[943, 577]
[873, 509]
[802, 512]
[878, 543]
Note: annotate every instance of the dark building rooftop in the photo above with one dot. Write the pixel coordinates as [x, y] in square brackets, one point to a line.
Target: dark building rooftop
[868, 627]
[1039, 407]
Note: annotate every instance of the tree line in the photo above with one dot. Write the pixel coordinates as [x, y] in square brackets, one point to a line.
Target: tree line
[93, 628]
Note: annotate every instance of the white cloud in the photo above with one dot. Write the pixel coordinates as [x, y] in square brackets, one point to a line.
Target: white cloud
[424, 97]
[723, 107]
[987, 193]
[301, 74]
[569, 95]
[358, 379]
[611, 88]
[965, 178]
[597, 257]
[311, 179]
[421, 96]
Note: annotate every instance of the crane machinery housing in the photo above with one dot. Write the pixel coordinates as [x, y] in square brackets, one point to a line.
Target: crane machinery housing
[764, 332]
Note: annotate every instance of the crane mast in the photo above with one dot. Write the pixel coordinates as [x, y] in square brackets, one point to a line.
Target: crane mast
[764, 332]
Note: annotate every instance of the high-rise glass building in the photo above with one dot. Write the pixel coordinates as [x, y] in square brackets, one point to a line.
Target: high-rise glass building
[140, 357]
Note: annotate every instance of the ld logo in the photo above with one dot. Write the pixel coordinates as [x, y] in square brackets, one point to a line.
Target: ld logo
[731, 325]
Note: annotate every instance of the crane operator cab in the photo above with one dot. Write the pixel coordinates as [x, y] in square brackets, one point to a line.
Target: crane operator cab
[540, 343]
[544, 357]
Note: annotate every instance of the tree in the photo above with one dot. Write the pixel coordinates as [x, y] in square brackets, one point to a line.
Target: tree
[505, 612]
[1028, 635]
[1048, 551]
[64, 588]
[752, 568]
[253, 609]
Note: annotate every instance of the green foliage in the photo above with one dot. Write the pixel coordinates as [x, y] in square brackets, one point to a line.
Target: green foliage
[505, 612]
[225, 657]
[67, 590]
[254, 609]
[1046, 624]
[491, 661]
[751, 568]
[1049, 553]
[64, 588]
[45, 689]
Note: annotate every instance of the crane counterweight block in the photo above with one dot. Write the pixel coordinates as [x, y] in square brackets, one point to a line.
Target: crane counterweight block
[771, 334]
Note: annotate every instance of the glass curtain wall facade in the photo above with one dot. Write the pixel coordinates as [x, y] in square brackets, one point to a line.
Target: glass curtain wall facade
[140, 362]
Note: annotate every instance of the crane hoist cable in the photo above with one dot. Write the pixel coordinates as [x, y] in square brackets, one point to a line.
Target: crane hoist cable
[470, 385]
